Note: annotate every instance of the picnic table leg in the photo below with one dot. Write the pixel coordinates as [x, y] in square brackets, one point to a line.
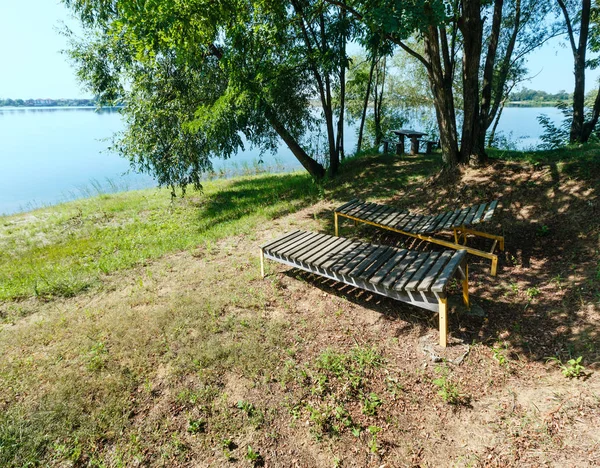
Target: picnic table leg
[443, 304]
[386, 147]
[414, 145]
[494, 265]
[262, 263]
[400, 147]
[429, 147]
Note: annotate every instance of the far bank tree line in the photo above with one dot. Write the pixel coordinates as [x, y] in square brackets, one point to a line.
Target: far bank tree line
[202, 79]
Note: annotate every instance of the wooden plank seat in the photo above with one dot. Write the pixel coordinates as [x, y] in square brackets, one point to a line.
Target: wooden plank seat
[429, 144]
[418, 278]
[423, 226]
[388, 142]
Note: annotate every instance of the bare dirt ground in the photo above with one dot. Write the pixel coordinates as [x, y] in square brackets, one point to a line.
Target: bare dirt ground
[319, 374]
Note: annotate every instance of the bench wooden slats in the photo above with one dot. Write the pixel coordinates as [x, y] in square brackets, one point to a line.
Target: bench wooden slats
[371, 217]
[346, 206]
[324, 246]
[479, 213]
[448, 272]
[426, 283]
[368, 260]
[383, 258]
[385, 268]
[324, 256]
[333, 259]
[422, 273]
[393, 272]
[397, 271]
[490, 211]
[358, 258]
[383, 214]
[410, 272]
[297, 243]
[280, 240]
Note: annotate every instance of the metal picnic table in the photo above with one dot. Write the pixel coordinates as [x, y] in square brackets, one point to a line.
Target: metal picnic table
[414, 139]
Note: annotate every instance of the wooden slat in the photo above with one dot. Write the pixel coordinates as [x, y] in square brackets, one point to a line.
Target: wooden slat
[348, 267]
[429, 226]
[363, 210]
[409, 218]
[395, 218]
[317, 261]
[345, 206]
[459, 219]
[300, 242]
[490, 211]
[431, 276]
[317, 249]
[412, 223]
[479, 214]
[298, 249]
[396, 272]
[372, 257]
[356, 208]
[410, 271]
[375, 213]
[469, 219]
[383, 258]
[345, 256]
[448, 271]
[413, 284]
[444, 221]
[383, 214]
[380, 274]
[421, 224]
[282, 238]
[287, 240]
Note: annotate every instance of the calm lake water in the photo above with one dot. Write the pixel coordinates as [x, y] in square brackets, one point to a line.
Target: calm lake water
[52, 155]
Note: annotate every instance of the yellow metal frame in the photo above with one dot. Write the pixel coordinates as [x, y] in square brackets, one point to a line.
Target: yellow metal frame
[459, 232]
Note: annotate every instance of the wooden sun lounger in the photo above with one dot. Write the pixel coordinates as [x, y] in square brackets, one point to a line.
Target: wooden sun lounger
[418, 278]
[423, 226]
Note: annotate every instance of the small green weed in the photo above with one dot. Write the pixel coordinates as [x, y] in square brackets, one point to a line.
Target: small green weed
[196, 426]
[373, 443]
[448, 390]
[370, 403]
[572, 369]
[532, 293]
[253, 456]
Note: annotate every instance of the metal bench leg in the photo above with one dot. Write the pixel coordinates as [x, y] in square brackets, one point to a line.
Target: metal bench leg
[262, 263]
[465, 287]
[335, 219]
[494, 265]
[443, 304]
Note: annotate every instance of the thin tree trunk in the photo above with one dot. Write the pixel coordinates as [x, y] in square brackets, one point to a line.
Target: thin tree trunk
[315, 169]
[365, 105]
[343, 61]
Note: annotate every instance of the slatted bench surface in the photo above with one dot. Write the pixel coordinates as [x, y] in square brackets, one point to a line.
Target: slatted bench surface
[386, 270]
[387, 216]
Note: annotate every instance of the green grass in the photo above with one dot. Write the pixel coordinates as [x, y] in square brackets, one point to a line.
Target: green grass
[66, 249]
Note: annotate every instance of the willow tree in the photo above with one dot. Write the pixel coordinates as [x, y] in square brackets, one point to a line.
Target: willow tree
[198, 80]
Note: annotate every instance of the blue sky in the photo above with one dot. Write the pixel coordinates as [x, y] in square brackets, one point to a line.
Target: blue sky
[33, 66]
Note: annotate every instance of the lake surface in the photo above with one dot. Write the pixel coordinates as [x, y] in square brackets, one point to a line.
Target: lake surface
[51, 155]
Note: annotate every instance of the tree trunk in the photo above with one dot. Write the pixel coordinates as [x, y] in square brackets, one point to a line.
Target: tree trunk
[365, 105]
[588, 127]
[315, 169]
[443, 97]
[343, 62]
[471, 26]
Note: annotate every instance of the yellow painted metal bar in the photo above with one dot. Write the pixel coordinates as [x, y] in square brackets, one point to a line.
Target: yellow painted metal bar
[335, 217]
[465, 287]
[262, 263]
[443, 313]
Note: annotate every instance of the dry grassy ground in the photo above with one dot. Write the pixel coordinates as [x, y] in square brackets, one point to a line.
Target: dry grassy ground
[193, 360]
